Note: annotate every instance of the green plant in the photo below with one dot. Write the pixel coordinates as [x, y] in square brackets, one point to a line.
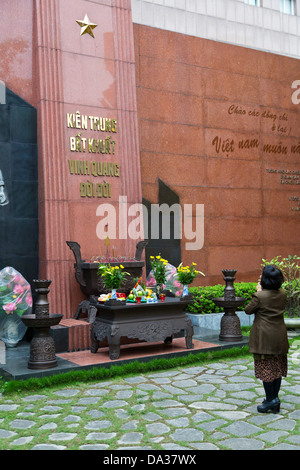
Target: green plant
[158, 265]
[113, 276]
[203, 296]
[290, 268]
[186, 274]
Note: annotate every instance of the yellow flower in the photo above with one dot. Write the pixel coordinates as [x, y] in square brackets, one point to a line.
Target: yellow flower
[121, 266]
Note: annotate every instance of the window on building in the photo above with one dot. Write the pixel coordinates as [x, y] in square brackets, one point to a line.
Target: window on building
[287, 6]
[253, 2]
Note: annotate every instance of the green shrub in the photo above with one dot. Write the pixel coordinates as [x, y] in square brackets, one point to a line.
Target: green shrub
[203, 296]
[290, 268]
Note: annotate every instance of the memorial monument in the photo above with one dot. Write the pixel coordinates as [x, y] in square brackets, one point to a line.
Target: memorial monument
[104, 106]
[73, 61]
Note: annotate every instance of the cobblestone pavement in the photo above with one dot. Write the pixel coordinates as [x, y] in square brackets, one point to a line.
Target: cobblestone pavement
[211, 406]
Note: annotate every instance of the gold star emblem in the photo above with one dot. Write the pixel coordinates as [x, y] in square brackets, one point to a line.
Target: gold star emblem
[86, 26]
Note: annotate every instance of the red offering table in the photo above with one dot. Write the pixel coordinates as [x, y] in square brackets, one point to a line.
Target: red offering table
[146, 322]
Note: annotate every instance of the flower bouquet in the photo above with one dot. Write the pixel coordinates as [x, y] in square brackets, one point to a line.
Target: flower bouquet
[15, 300]
[112, 277]
[186, 275]
[159, 269]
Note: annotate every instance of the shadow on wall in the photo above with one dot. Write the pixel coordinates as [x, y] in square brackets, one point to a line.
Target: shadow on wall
[18, 185]
[169, 249]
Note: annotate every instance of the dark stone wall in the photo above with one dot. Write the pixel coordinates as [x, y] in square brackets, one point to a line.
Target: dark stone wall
[169, 249]
[19, 167]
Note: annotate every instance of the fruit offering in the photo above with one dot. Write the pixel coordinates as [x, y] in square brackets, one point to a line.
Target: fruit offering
[146, 294]
[104, 297]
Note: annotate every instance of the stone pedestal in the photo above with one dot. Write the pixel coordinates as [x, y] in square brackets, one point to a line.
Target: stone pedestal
[230, 330]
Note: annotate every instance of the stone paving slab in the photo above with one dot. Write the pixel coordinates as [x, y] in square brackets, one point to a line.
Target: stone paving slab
[205, 407]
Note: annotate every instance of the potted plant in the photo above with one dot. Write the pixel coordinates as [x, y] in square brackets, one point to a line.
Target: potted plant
[186, 275]
[158, 265]
[112, 276]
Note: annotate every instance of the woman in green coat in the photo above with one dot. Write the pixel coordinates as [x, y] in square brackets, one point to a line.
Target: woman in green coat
[268, 337]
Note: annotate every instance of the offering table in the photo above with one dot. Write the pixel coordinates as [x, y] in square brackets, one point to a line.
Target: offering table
[146, 322]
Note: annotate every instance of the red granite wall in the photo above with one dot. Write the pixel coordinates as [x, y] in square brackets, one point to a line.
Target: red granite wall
[218, 125]
[201, 104]
[73, 80]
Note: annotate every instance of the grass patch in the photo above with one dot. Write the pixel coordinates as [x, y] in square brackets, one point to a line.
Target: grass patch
[132, 368]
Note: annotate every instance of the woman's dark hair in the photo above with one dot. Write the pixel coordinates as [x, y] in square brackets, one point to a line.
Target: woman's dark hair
[271, 278]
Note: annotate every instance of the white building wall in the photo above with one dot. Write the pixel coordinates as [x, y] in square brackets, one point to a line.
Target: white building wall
[232, 21]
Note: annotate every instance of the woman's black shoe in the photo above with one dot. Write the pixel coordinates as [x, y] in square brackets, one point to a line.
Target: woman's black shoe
[272, 406]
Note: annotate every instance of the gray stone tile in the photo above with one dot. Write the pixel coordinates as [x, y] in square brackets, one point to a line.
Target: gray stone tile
[51, 408]
[48, 427]
[88, 401]
[34, 397]
[96, 413]
[203, 389]
[174, 412]
[8, 407]
[124, 394]
[159, 394]
[6, 434]
[21, 441]
[242, 444]
[59, 401]
[179, 422]
[72, 418]
[211, 425]
[48, 447]
[131, 438]
[52, 416]
[135, 380]
[187, 435]
[210, 405]
[285, 446]
[151, 416]
[204, 446]
[284, 424]
[201, 416]
[232, 415]
[94, 392]
[62, 436]
[94, 447]
[114, 404]
[185, 383]
[97, 425]
[241, 429]
[157, 429]
[166, 403]
[195, 370]
[245, 395]
[294, 439]
[172, 446]
[161, 380]
[68, 392]
[147, 387]
[100, 436]
[173, 390]
[272, 436]
[166, 373]
[130, 426]
[21, 424]
[209, 378]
